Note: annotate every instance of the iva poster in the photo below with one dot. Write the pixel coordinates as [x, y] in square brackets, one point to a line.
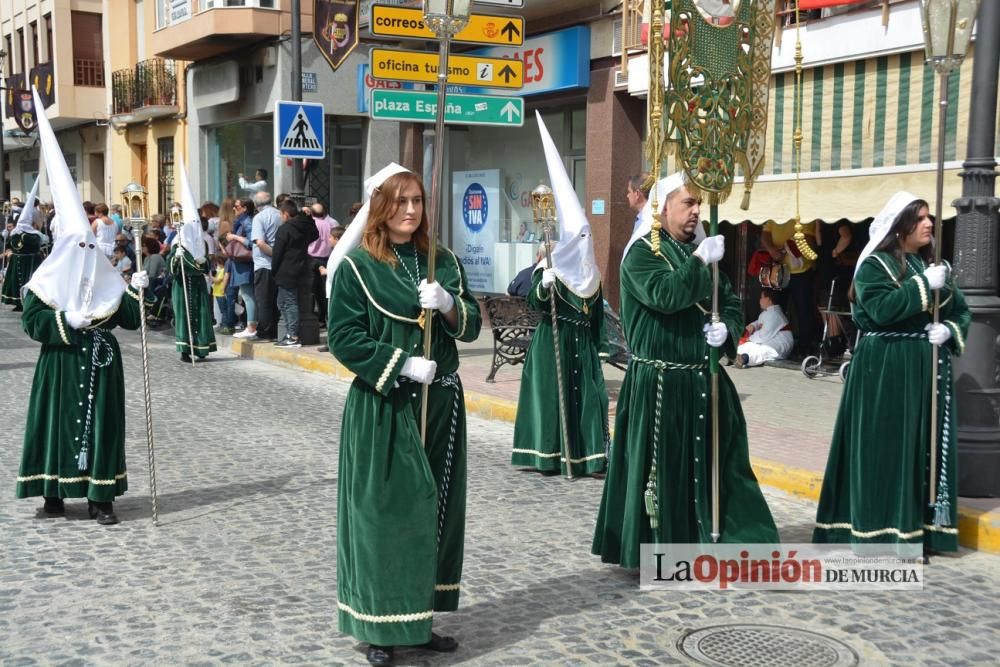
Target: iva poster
[476, 214]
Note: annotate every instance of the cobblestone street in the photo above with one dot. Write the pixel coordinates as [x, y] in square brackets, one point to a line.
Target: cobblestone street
[242, 568]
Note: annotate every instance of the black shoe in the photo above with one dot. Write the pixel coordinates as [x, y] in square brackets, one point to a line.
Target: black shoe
[288, 342]
[54, 507]
[103, 512]
[379, 655]
[185, 357]
[440, 644]
[323, 348]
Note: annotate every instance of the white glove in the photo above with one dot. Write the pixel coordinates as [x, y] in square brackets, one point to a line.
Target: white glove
[76, 319]
[938, 334]
[419, 369]
[711, 249]
[548, 278]
[140, 280]
[435, 297]
[936, 274]
[715, 333]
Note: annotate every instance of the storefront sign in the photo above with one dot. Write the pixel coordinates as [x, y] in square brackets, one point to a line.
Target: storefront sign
[422, 66]
[481, 28]
[553, 61]
[417, 106]
[476, 214]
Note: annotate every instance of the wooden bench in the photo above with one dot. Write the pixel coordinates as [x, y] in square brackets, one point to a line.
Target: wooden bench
[513, 325]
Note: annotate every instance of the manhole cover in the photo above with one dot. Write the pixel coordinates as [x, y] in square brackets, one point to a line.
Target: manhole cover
[753, 645]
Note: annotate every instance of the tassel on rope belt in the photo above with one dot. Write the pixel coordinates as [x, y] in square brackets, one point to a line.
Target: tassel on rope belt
[942, 504]
[661, 366]
[451, 381]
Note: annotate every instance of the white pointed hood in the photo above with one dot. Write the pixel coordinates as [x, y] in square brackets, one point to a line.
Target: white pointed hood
[76, 276]
[190, 237]
[27, 217]
[356, 229]
[883, 223]
[664, 187]
[573, 257]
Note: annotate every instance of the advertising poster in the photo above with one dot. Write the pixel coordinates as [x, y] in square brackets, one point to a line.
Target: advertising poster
[476, 215]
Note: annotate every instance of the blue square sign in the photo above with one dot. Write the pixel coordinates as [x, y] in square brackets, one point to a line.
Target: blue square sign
[299, 129]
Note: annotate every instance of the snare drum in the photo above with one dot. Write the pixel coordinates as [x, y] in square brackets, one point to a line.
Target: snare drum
[774, 276]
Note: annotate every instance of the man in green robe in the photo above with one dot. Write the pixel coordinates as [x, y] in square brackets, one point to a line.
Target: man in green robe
[576, 283]
[188, 266]
[663, 430]
[400, 501]
[23, 253]
[74, 440]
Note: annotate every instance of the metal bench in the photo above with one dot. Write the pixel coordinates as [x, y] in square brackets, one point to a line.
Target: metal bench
[514, 324]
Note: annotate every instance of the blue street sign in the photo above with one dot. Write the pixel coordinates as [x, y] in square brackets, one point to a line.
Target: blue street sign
[299, 129]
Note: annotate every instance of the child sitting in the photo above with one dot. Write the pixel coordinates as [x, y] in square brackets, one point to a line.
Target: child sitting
[768, 338]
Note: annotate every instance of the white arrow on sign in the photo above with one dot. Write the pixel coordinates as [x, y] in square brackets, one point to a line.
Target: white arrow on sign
[510, 110]
[501, 3]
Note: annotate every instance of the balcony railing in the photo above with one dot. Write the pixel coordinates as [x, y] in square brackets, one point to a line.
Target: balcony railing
[88, 72]
[151, 83]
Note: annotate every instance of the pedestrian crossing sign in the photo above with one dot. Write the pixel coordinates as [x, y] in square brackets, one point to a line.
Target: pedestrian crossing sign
[299, 129]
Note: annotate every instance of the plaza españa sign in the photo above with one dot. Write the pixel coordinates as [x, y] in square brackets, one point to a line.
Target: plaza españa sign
[422, 66]
[388, 21]
[417, 106]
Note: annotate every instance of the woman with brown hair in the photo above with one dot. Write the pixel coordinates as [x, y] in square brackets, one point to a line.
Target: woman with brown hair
[401, 502]
[226, 217]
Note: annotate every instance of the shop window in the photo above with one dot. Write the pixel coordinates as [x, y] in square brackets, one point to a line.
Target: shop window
[239, 148]
[71, 163]
[337, 180]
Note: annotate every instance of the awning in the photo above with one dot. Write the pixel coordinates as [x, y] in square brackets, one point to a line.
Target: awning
[855, 198]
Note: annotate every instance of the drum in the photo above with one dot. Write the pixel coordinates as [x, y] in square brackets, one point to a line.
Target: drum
[774, 276]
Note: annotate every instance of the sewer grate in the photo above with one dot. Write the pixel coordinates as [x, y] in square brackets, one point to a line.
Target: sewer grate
[745, 645]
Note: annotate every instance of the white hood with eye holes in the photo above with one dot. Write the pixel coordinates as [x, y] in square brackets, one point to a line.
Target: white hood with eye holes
[76, 276]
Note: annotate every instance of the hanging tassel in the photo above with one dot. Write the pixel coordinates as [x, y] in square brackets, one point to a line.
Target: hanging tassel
[81, 460]
[652, 507]
[942, 511]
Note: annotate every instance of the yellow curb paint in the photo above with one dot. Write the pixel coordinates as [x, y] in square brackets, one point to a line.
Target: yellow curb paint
[976, 529]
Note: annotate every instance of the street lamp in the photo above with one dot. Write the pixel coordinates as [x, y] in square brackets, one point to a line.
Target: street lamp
[3, 155]
[947, 29]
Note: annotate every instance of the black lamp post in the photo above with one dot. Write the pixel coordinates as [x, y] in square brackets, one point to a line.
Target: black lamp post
[977, 371]
[3, 154]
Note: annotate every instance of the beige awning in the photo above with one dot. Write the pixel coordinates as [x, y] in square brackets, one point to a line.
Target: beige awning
[834, 198]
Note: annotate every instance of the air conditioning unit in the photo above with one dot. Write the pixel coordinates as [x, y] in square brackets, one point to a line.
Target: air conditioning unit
[621, 79]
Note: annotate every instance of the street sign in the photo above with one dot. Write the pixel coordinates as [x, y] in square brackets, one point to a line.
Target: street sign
[485, 29]
[422, 66]
[299, 129]
[500, 3]
[419, 106]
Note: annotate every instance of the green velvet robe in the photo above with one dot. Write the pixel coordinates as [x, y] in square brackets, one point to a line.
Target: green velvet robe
[21, 265]
[401, 506]
[666, 302]
[72, 380]
[537, 432]
[199, 298]
[876, 485]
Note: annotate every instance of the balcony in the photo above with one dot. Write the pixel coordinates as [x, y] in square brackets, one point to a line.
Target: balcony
[199, 29]
[143, 92]
[88, 73]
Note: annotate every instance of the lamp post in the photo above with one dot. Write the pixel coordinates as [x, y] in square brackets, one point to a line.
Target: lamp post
[3, 119]
[444, 18]
[947, 29]
[977, 380]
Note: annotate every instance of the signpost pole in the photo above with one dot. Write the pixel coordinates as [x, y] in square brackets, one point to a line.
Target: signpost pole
[298, 180]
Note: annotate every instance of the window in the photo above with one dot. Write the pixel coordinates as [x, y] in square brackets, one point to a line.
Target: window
[29, 172]
[48, 38]
[34, 44]
[19, 54]
[88, 50]
[8, 62]
[165, 175]
[71, 163]
[238, 148]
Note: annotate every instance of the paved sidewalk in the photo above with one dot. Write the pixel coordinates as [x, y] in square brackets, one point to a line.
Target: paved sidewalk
[790, 418]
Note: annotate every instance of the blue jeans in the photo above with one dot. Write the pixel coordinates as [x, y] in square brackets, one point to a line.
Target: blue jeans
[227, 304]
[288, 304]
[250, 303]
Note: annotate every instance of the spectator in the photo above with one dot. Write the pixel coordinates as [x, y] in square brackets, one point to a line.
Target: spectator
[220, 283]
[88, 208]
[226, 217]
[105, 230]
[319, 253]
[800, 295]
[156, 224]
[265, 227]
[121, 262]
[638, 191]
[291, 265]
[209, 211]
[258, 185]
[521, 284]
[769, 337]
[355, 207]
[125, 242]
[153, 263]
[116, 215]
[243, 272]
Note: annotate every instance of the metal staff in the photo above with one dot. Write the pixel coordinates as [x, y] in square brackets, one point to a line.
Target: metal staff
[137, 235]
[713, 368]
[187, 303]
[543, 204]
[444, 18]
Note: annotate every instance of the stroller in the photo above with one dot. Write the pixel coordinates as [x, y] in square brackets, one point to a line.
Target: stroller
[830, 353]
[159, 312]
